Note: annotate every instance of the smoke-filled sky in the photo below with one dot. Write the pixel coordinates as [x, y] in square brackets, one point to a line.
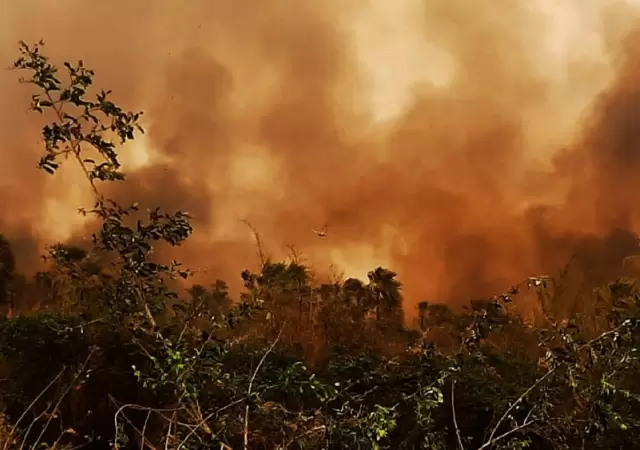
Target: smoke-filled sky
[464, 144]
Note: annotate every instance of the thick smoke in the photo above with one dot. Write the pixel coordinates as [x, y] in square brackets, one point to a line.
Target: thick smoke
[270, 112]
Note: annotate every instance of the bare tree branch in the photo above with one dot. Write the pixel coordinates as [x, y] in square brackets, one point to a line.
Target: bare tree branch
[455, 418]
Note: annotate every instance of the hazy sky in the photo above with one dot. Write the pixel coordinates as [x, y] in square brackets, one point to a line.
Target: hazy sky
[424, 132]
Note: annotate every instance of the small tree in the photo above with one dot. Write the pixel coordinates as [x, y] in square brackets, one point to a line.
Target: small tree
[83, 130]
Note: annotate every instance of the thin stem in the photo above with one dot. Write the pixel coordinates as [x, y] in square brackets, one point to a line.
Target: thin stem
[516, 403]
[39, 396]
[253, 377]
[455, 419]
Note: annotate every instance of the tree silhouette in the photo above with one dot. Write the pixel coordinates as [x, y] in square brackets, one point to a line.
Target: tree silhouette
[214, 299]
[7, 269]
[385, 295]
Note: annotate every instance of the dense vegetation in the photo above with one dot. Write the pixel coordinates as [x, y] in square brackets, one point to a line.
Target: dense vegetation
[119, 359]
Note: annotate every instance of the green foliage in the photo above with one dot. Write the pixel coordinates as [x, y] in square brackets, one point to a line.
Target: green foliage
[78, 120]
[117, 358]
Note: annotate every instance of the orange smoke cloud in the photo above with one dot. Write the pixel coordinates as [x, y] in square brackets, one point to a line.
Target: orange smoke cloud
[426, 134]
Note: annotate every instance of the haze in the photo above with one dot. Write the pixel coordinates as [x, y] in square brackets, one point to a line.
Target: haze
[465, 145]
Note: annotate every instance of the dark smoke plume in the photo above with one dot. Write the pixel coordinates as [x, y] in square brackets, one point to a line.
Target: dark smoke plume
[258, 111]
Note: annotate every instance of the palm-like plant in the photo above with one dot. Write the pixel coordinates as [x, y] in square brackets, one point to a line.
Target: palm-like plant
[385, 294]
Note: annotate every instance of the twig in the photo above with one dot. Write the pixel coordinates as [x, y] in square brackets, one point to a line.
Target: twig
[39, 396]
[144, 430]
[143, 440]
[306, 433]
[253, 377]
[62, 434]
[168, 437]
[453, 409]
[261, 253]
[32, 424]
[64, 394]
[524, 424]
[296, 255]
[206, 419]
[513, 405]
[506, 434]
[616, 330]
[74, 145]
[171, 420]
[121, 409]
